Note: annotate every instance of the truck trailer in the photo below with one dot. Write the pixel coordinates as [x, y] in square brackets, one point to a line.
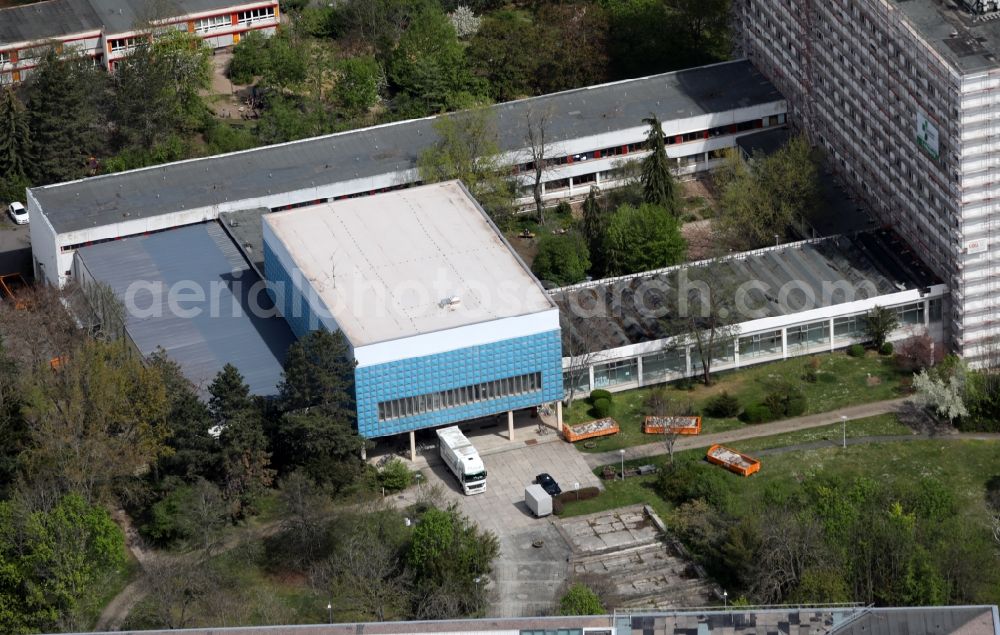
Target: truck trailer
[462, 459]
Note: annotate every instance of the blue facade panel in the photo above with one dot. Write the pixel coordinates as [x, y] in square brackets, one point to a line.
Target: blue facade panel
[541, 353]
[286, 296]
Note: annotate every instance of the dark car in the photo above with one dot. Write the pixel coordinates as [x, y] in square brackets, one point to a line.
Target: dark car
[548, 484]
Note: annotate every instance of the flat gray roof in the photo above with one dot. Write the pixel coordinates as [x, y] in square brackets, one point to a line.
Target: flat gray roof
[54, 18]
[202, 255]
[386, 265]
[368, 152]
[630, 310]
[800, 620]
[969, 41]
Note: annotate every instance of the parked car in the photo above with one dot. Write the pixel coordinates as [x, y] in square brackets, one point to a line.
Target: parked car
[17, 213]
[548, 484]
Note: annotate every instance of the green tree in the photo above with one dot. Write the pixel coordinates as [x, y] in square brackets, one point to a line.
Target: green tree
[325, 446]
[54, 564]
[572, 46]
[503, 53]
[286, 64]
[705, 28]
[246, 462]
[360, 81]
[14, 432]
[230, 395]
[562, 259]
[880, 322]
[449, 556]
[15, 139]
[428, 65]
[641, 239]
[761, 199]
[593, 225]
[194, 451]
[249, 58]
[579, 599]
[155, 89]
[62, 117]
[96, 423]
[658, 187]
[468, 149]
[319, 371]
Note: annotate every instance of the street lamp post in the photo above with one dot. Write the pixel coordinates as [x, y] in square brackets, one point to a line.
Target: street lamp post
[622, 453]
[329, 612]
[725, 600]
[843, 421]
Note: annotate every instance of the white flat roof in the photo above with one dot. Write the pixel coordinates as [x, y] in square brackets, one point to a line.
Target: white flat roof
[386, 266]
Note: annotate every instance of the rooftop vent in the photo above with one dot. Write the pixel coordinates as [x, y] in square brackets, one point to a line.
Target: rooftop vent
[450, 303]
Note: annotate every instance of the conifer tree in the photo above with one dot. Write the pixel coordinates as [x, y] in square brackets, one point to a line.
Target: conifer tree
[658, 187]
[14, 137]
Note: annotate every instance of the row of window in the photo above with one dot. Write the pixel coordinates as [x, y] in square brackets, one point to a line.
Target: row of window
[641, 146]
[255, 15]
[215, 22]
[126, 43]
[799, 338]
[507, 387]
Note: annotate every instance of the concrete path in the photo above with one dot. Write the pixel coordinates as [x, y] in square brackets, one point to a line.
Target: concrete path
[749, 432]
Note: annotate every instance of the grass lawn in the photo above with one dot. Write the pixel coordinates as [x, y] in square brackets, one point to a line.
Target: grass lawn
[841, 381]
[963, 466]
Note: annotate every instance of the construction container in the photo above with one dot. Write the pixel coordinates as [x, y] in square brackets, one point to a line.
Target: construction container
[673, 425]
[732, 460]
[596, 428]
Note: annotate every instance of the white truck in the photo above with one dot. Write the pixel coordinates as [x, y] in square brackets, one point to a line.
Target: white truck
[462, 459]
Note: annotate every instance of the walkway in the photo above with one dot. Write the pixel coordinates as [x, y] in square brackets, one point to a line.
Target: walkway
[750, 432]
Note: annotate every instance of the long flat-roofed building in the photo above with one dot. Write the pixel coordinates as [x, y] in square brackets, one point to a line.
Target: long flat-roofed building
[106, 30]
[905, 97]
[590, 131]
[445, 321]
[797, 299]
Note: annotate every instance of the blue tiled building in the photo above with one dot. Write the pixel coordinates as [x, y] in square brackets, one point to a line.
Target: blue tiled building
[446, 323]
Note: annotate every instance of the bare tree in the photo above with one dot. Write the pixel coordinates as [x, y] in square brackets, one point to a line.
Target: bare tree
[538, 149]
[581, 345]
[307, 510]
[176, 586]
[789, 545]
[707, 316]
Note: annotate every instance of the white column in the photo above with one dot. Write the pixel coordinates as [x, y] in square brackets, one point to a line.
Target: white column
[571, 186]
[638, 368]
[510, 425]
[784, 343]
[364, 453]
[597, 177]
[736, 353]
[687, 361]
[832, 347]
[590, 369]
[559, 421]
[413, 445]
[927, 312]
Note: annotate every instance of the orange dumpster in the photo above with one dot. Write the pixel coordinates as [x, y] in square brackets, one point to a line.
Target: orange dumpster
[596, 428]
[673, 425]
[732, 460]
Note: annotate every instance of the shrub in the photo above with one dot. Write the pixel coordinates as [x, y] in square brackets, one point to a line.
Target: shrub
[757, 413]
[602, 407]
[856, 350]
[886, 349]
[395, 476]
[915, 354]
[723, 406]
[785, 400]
[810, 376]
[598, 394]
[580, 600]
[557, 506]
[584, 493]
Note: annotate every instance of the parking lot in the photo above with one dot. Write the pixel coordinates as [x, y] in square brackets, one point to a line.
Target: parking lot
[533, 563]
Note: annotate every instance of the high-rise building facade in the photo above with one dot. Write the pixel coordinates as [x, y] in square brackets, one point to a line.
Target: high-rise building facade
[904, 95]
